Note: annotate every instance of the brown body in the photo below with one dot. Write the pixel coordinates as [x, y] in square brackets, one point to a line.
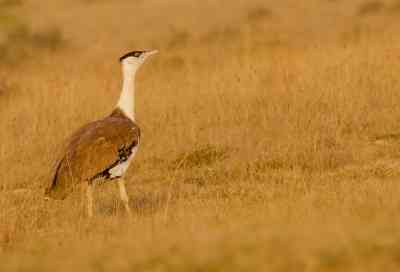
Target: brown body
[92, 151]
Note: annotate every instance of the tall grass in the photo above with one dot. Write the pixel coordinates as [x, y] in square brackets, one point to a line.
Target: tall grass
[258, 148]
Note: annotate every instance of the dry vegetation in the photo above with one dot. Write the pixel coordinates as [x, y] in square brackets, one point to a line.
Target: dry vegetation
[259, 125]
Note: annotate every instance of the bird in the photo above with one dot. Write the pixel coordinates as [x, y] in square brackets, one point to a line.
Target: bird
[101, 150]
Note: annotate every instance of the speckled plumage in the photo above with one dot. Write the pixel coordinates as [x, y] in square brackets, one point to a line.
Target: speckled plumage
[92, 151]
[104, 149]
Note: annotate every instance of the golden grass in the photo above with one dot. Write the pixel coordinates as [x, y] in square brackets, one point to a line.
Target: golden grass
[258, 149]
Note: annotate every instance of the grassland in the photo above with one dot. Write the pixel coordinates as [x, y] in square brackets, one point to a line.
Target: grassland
[259, 124]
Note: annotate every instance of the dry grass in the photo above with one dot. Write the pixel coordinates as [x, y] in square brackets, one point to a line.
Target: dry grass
[259, 128]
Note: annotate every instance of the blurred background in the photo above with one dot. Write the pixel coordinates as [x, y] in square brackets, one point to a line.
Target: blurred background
[250, 59]
[90, 26]
[260, 125]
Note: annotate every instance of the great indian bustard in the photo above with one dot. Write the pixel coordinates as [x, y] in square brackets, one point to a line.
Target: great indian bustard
[103, 149]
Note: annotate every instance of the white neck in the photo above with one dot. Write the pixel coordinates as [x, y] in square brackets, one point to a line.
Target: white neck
[126, 100]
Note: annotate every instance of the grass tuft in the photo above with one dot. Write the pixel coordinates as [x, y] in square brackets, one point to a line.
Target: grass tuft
[259, 14]
[203, 156]
[370, 8]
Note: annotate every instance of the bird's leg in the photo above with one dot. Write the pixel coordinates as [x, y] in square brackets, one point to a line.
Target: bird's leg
[89, 194]
[124, 195]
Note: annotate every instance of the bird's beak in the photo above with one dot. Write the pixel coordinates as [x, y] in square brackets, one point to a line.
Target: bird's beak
[151, 52]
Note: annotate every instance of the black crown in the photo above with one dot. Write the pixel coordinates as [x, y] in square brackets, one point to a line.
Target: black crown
[135, 54]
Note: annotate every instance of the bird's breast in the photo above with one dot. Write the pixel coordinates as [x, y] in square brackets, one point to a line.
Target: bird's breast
[120, 169]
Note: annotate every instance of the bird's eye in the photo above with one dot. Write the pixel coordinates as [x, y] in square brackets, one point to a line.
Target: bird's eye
[137, 54]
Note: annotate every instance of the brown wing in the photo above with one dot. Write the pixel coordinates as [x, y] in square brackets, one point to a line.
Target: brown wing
[90, 151]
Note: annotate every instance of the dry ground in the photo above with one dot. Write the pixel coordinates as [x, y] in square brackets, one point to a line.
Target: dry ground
[258, 151]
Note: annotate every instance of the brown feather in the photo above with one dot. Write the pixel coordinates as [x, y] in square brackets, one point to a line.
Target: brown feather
[91, 150]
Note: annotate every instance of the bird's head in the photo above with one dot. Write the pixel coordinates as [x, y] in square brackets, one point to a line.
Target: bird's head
[131, 61]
